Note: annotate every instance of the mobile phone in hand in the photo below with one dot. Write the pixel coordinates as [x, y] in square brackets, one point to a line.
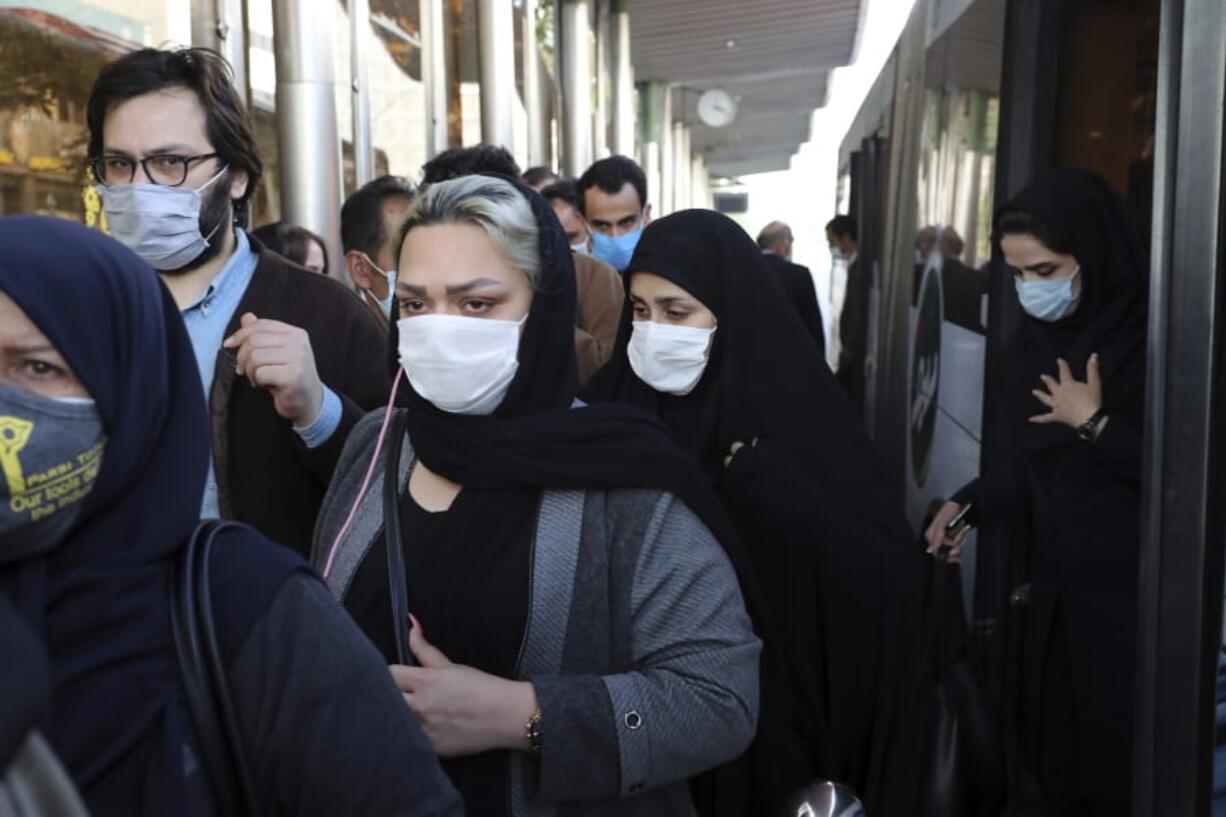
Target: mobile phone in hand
[960, 519]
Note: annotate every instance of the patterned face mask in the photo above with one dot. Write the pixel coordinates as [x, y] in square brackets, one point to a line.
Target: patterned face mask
[50, 453]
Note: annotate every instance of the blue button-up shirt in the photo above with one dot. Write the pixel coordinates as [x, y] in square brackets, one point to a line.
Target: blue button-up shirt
[206, 319]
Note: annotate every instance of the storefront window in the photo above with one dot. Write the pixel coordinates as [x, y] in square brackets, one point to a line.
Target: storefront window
[397, 96]
[50, 53]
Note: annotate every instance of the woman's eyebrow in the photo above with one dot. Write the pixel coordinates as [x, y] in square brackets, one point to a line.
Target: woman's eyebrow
[469, 286]
[27, 348]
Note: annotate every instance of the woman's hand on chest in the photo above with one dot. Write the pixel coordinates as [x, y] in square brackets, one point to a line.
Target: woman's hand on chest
[463, 710]
[1070, 401]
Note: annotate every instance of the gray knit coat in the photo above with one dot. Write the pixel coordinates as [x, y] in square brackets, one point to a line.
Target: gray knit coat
[638, 644]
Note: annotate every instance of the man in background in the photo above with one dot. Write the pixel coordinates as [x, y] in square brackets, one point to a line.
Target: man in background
[370, 223]
[775, 241]
[612, 198]
[601, 293]
[457, 162]
[539, 177]
[843, 238]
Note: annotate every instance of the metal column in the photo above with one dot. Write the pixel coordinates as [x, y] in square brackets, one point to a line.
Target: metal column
[698, 183]
[533, 98]
[310, 155]
[359, 47]
[434, 74]
[667, 153]
[496, 24]
[623, 81]
[576, 67]
[600, 79]
[222, 27]
[1183, 517]
[649, 139]
[680, 165]
[687, 156]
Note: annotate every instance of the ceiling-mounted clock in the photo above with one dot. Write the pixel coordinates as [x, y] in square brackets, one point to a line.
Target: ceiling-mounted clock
[716, 108]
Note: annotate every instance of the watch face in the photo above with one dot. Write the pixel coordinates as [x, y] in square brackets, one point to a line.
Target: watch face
[716, 109]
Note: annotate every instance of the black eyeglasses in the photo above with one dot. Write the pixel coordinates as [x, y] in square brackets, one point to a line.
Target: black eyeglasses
[165, 169]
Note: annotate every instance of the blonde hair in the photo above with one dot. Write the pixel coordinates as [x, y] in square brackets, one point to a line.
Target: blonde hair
[494, 205]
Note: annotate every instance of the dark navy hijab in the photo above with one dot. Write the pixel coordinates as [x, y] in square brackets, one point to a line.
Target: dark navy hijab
[100, 600]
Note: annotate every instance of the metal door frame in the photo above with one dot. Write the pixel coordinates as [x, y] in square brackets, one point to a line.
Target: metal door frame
[1030, 86]
[1184, 475]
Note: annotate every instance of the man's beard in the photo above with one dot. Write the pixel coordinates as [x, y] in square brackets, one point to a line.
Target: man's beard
[216, 215]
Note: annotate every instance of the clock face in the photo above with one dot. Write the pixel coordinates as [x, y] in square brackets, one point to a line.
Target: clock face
[716, 109]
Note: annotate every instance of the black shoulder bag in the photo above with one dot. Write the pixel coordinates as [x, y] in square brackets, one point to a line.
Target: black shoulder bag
[222, 751]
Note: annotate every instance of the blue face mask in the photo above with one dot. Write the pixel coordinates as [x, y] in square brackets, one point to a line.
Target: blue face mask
[616, 252]
[1049, 301]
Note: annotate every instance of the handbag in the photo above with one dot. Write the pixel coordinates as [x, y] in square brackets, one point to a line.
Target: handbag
[223, 753]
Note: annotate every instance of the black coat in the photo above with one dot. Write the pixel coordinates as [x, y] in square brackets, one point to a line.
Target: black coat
[811, 501]
[1074, 637]
[797, 283]
[266, 476]
[853, 334]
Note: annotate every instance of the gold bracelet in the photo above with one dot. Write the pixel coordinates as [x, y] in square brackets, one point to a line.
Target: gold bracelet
[533, 732]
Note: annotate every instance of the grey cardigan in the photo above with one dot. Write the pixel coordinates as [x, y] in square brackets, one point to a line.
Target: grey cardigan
[643, 657]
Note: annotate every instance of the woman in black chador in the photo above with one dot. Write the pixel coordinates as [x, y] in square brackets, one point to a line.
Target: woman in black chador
[711, 345]
[1079, 389]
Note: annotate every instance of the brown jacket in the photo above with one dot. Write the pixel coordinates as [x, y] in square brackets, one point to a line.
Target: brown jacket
[266, 476]
[601, 296]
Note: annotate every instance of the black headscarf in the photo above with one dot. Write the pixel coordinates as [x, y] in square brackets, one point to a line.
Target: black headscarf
[23, 684]
[538, 438]
[1094, 225]
[762, 380]
[850, 571]
[100, 600]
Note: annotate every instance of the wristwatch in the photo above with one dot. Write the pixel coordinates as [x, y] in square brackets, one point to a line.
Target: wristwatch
[533, 732]
[1088, 430]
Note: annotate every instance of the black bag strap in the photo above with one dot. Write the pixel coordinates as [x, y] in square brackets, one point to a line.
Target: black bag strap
[223, 752]
[397, 582]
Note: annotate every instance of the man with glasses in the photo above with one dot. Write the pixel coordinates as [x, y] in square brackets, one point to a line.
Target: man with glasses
[370, 225]
[289, 360]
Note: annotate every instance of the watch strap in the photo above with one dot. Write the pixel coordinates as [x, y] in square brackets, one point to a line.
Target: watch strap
[1088, 430]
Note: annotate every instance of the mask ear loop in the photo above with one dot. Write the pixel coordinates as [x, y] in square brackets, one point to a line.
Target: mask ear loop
[370, 472]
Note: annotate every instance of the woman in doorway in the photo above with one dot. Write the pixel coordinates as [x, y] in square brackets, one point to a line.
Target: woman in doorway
[579, 632]
[710, 344]
[1079, 385]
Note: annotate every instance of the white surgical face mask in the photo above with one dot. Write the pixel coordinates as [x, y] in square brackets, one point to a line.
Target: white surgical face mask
[160, 224]
[580, 248]
[462, 365]
[669, 358]
[385, 303]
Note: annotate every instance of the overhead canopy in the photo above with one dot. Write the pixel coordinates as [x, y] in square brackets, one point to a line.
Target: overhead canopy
[773, 57]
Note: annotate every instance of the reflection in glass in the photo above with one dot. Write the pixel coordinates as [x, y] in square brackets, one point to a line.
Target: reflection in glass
[48, 65]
